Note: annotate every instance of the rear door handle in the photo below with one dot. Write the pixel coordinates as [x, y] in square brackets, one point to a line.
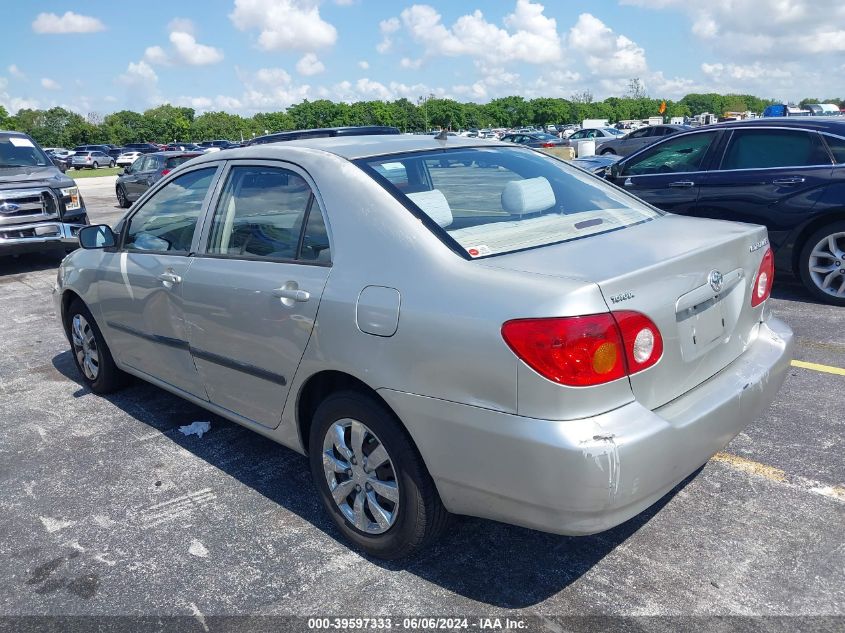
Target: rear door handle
[682, 184]
[169, 278]
[788, 181]
[292, 294]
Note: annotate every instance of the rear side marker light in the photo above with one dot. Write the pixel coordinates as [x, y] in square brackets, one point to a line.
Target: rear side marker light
[762, 288]
[586, 350]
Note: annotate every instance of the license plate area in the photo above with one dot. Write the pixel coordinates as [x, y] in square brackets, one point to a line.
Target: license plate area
[701, 327]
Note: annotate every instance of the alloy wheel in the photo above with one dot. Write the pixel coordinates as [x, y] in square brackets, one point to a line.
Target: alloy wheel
[121, 196]
[827, 265]
[360, 476]
[85, 347]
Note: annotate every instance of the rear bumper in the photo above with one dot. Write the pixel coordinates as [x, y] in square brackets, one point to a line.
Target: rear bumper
[589, 475]
[40, 236]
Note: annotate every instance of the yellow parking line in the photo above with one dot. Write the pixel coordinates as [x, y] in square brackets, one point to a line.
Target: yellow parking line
[750, 467]
[816, 367]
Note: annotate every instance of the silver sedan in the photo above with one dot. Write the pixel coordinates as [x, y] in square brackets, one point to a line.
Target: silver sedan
[442, 326]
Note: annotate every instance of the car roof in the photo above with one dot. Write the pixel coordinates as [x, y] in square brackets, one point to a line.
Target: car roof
[354, 147]
[175, 152]
[833, 124]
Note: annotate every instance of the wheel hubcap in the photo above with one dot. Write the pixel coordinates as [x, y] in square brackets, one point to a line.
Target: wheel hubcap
[826, 265]
[85, 347]
[360, 476]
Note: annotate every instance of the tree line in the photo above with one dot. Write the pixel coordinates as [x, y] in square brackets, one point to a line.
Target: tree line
[58, 127]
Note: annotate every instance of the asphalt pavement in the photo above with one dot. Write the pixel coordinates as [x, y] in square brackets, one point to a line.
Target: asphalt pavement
[106, 508]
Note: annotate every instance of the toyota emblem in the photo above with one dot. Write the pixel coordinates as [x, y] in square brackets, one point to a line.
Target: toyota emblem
[716, 279]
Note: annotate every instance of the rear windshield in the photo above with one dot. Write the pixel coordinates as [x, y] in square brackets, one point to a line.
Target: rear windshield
[494, 200]
[20, 151]
[178, 160]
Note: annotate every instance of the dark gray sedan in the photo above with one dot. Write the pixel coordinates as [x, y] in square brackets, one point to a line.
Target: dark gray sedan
[534, 139]
[147, 170]
[640, 138]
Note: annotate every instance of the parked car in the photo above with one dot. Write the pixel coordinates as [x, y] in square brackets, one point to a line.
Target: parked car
[105, 149]
[637, 139]
[41, 209]
[598, 134]
[91, 160]
[596, 165]
[115, 151]
[144, 148]
[787, 174]
[525, 379]
[127, 158]
[147, 170]
[533, 139]
[221, 144]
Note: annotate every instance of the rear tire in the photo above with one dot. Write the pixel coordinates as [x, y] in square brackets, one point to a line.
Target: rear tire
[91, 354]
[415, 519]
[96, 165]
[822, 260]
[122, 198]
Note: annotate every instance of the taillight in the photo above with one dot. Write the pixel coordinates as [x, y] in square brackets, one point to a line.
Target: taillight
[586, 350]
[547, 145]
[763, 281]
[164, 172]
[643, 343]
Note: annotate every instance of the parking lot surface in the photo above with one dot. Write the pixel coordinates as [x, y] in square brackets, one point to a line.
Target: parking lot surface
[106, 508]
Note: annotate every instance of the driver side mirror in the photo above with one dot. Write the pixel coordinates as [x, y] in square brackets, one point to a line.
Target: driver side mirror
[126, 171]
[614, 170]
[97, 236]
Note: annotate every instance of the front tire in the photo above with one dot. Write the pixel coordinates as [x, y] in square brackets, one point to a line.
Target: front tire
[607, 151]
[821, 264]
[371, 479]
[111, 165]
[91, 354]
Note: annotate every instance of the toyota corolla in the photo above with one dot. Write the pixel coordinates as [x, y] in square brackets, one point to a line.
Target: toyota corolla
[442, 326]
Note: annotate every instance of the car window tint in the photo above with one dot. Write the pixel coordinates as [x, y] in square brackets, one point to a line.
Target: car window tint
[680, 154]
[315, 242]
[167, 220]
[837, 148]
[260, 213]
[762, 149]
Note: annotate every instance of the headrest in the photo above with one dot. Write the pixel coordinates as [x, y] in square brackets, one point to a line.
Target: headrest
[434, 205]
[527, 196]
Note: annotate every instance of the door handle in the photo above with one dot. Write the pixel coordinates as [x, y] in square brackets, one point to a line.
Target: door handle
[292, 294]
[169, 278]
[682, 184]
[788, 181]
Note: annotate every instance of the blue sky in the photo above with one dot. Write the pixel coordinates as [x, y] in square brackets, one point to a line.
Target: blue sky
[261, 55]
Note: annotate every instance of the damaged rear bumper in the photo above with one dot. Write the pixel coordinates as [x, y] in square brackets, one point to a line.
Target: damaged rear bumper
[586, 476]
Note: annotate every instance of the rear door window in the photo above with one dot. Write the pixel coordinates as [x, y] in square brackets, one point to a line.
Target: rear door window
[675, 155]
[837, 148]
[768, 149]
[261, 214]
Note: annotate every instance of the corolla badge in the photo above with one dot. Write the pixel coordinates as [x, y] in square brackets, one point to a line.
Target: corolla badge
[716, 280]
[9, 207]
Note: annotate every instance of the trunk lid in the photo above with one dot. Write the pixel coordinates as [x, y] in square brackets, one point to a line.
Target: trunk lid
[663, 269]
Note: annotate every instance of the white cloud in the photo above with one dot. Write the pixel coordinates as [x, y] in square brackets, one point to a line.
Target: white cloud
[309, 65]
[16, 72]
[387, 28]
[141, 83]
[363, 64]
[605, 52]
[529, 35]
[189, 51]
[284, 24]
[70, 22]
[413, 64]
[50, 84]
[185, 48]
[156, 55]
